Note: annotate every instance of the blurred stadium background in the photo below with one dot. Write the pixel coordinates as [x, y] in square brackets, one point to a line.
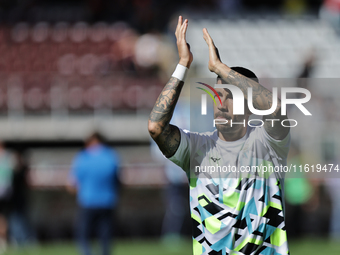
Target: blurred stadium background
[68, 68]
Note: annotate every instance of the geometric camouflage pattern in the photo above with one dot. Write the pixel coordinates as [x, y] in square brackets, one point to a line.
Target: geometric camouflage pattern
[233, 213]
[243, 217]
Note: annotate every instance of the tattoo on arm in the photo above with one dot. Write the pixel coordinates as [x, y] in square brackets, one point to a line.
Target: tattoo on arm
[165, 135]
[262, 100]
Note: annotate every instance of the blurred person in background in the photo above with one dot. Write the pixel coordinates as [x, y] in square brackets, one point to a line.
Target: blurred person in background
[298, 189]
[302, 192]
[6, 178]
[94, 175]
[243, 214]
[306, 72]
[176, 203]
[20, 232]
[122, 51]
[298, 192]
[175, 199]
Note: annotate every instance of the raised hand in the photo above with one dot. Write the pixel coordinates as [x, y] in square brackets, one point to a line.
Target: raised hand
[185, 55]
[214, 57]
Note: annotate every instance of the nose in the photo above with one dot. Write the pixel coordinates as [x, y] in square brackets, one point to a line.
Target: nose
[224, 107]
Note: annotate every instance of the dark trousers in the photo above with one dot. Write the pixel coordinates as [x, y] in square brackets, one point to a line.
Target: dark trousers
[99, 220]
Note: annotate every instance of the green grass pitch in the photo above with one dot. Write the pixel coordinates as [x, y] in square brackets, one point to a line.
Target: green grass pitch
[156, 247]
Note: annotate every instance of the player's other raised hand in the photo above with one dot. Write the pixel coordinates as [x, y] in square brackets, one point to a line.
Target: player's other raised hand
[185, 55]
[214, 57]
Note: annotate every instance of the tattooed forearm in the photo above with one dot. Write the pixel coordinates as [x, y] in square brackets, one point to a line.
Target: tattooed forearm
[165, 104]
[262, 97]
[166, 136]
[262, 100]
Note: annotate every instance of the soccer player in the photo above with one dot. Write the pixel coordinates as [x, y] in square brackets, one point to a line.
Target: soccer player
[242, 215]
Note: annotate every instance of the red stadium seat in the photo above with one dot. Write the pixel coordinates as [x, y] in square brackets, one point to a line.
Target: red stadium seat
[40, 32]
[59, 32]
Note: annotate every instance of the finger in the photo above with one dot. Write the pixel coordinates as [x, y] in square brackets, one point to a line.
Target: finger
[179, 24]
[212, 48]
[185, 23]
[185, 28]
[206, 36]
[206, 33]
[182, 33]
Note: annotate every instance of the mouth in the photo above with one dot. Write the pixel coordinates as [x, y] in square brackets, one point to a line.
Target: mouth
[223, 117]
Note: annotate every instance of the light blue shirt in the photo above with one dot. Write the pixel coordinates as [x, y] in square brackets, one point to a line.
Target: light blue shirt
[94, 171]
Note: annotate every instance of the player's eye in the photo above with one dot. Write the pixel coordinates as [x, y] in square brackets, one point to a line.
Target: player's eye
[230, 96]
[219, 94]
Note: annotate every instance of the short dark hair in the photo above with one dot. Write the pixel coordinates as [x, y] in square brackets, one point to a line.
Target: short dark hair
[244, 71]
[95, 135]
